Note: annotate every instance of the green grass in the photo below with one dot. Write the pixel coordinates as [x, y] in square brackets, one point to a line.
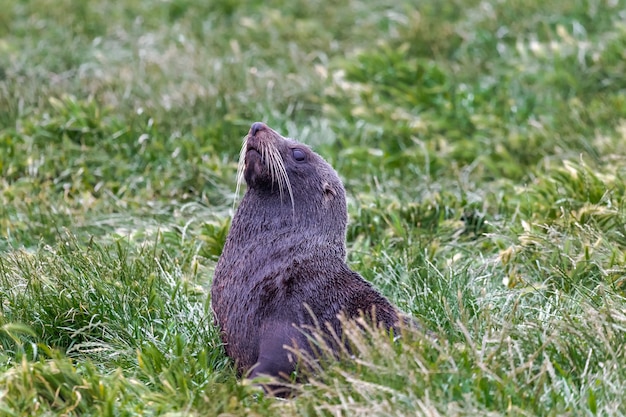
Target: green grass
[481, 143]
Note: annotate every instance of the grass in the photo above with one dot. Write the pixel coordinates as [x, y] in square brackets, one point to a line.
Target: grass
[481, 144]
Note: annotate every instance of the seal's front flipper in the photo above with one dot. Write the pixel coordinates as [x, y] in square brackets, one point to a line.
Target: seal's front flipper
[275, 359]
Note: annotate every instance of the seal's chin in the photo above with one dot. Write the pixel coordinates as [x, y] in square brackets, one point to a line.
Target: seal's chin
[254, 166]
[253, 158]
[252, 153]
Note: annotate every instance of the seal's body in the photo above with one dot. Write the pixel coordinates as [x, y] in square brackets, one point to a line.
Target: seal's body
[283, 266]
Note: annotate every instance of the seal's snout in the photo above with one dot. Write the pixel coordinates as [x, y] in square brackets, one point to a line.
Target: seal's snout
[257, 127]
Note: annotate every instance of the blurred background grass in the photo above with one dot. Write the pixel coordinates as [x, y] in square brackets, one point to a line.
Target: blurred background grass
[481, 143]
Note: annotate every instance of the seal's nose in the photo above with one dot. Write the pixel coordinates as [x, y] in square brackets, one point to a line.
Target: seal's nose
[256, 127]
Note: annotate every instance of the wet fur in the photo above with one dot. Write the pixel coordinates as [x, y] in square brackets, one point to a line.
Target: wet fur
[283, 265]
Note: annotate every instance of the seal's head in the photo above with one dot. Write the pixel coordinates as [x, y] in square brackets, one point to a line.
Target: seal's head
[298, 185]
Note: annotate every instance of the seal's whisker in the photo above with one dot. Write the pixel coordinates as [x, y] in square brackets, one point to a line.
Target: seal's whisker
[275, 162]
[283, 177]
[271, 164]
[241, 165]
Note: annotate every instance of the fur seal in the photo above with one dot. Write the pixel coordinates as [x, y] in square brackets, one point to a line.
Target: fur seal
[283, 267]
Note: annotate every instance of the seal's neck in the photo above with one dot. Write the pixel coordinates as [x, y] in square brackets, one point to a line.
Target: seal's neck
[261, 219]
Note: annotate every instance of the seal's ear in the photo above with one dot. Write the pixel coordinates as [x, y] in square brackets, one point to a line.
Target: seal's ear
[329, 192]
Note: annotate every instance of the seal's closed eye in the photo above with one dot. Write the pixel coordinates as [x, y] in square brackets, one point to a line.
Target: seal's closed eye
[298, 154]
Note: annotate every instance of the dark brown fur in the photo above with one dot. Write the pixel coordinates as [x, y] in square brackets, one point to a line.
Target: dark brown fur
[285, 259]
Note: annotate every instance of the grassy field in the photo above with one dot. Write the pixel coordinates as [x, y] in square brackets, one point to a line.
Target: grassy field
[483, 149]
